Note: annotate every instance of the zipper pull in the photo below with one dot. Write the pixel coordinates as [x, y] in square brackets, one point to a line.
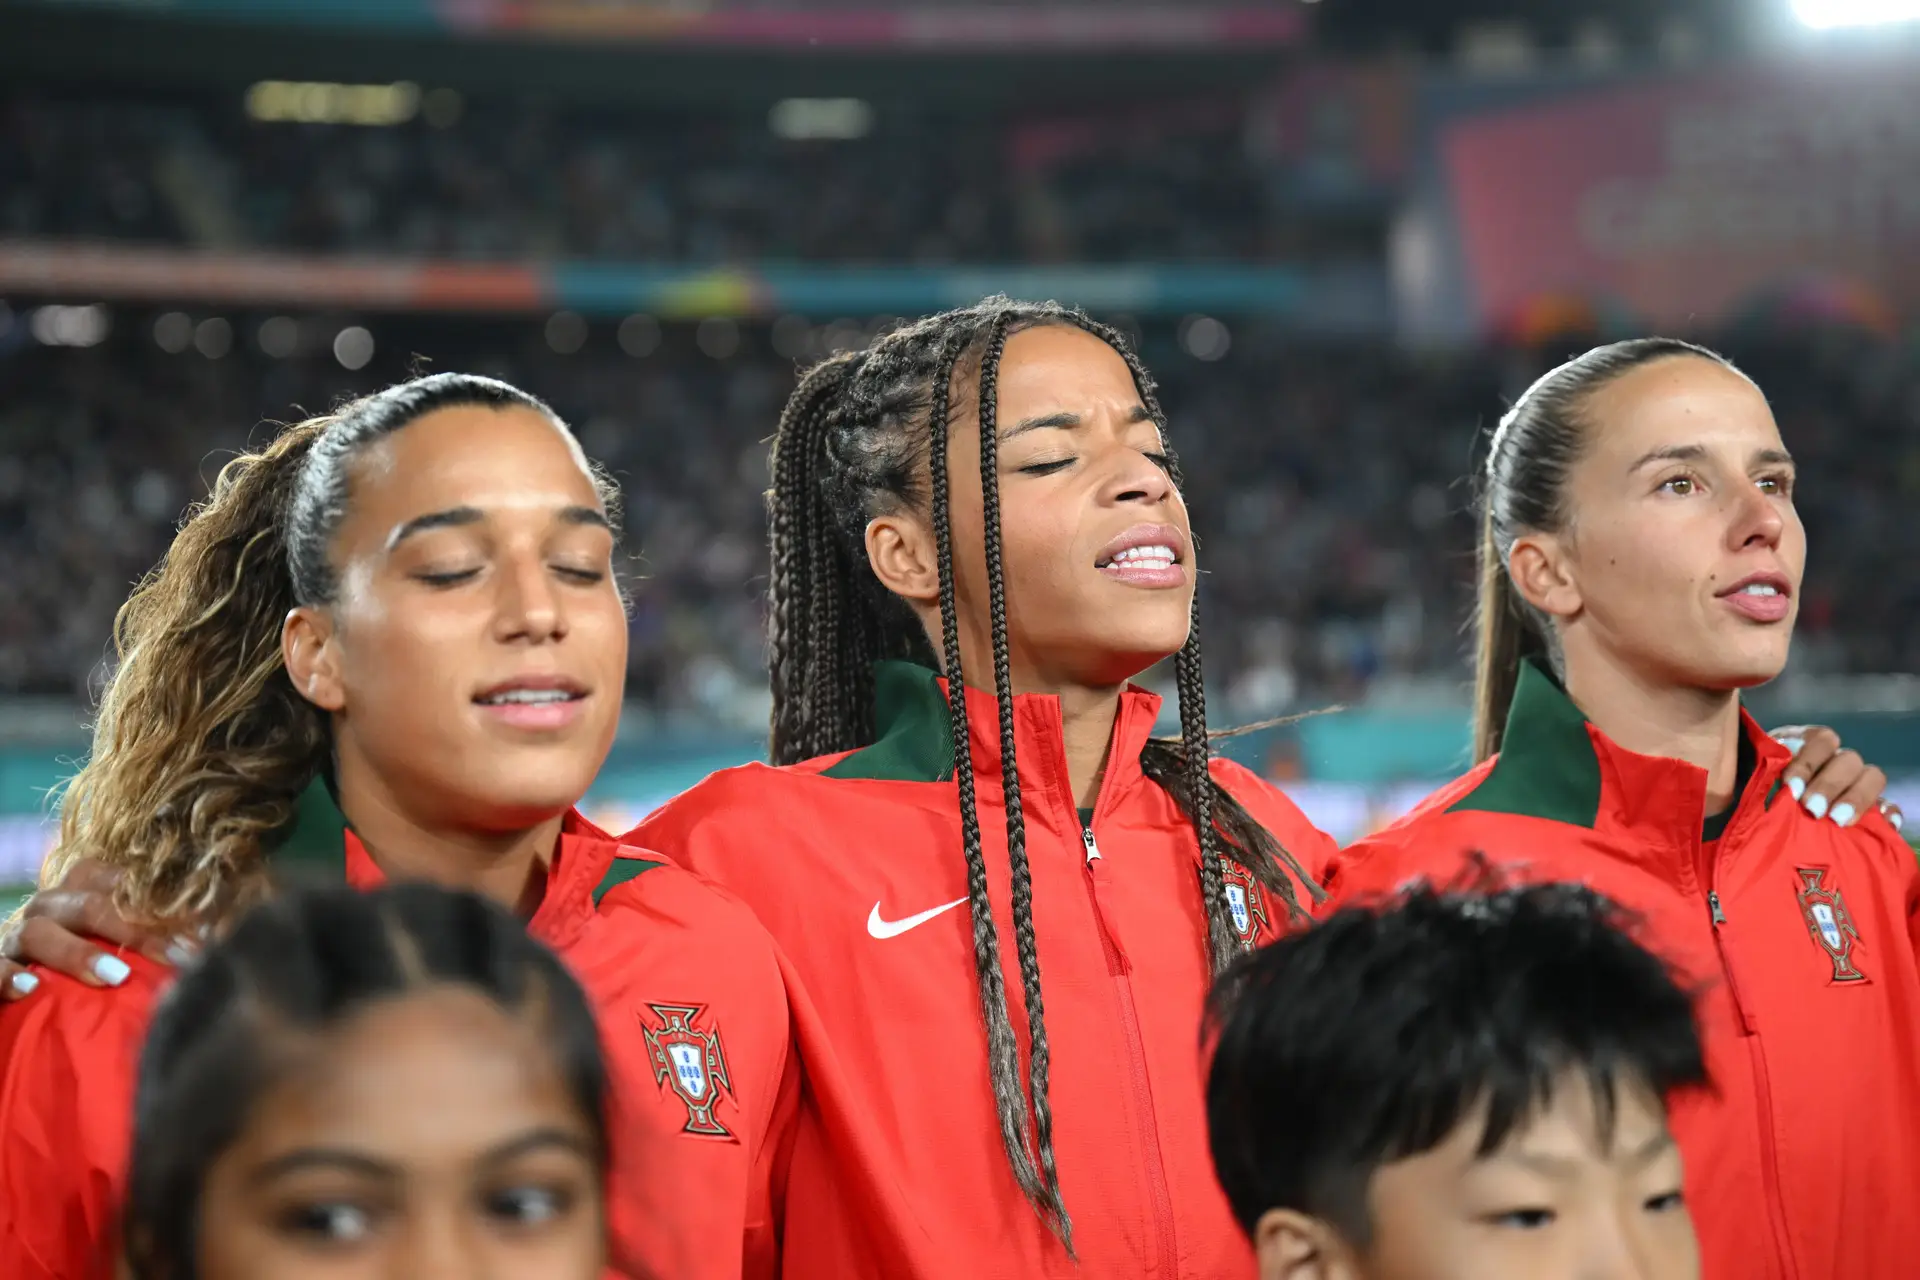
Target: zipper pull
[1093, 849]
[1713, 903]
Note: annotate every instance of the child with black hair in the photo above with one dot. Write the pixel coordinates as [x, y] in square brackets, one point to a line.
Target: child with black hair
[394, 1083]
[1456, 1084]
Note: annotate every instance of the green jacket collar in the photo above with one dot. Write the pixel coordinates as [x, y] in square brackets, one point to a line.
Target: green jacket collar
[315, 843]
[915, 729]
[1555, 764]
[1547, 766]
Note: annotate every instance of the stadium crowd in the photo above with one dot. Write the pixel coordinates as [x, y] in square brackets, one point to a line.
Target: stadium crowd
[505, 179]
[1329, 484]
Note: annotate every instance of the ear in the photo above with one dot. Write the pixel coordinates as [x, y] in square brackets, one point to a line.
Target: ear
[1292, 1246]
[1541, 566]
[903, 555]
[309, 646]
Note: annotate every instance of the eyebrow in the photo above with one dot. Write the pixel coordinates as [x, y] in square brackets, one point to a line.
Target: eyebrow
[1563, 1166]
[1066, 419]
[324, 1158]
[460, 517]
[1694, 453]
[539, 1140]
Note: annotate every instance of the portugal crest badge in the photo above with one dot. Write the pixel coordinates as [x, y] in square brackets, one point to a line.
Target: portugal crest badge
[1829, 922]
[688, 1061]
[1244, 903]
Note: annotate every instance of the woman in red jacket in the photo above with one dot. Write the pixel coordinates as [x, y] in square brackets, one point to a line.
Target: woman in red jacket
[989, 494]
[1029, 542]
[392, 645]
[1641, 564]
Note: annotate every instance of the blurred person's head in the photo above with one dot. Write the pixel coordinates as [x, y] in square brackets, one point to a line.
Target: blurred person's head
[414, 595]
[398, 1085]
[1637, 520]
[990, 493]
[1461, 1085]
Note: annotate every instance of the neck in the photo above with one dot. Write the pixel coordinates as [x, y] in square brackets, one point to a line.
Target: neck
[508, 866]
[1699, 726]
[1086, 719]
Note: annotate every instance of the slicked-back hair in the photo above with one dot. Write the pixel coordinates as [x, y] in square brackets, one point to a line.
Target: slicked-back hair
[865, 434]
[1530, 461]
[303, 964]
[1372, 1036]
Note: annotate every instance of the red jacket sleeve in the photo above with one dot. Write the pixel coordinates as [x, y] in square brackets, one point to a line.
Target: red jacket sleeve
[68, 1060]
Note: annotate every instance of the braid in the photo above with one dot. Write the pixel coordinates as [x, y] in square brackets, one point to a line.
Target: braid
[1026, 945]
[1223, 943]
[1003, 1050]
[815, 707]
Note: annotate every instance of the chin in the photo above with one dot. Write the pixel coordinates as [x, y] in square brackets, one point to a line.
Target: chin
[1745, 667]
[531, 791]
[1119, 659]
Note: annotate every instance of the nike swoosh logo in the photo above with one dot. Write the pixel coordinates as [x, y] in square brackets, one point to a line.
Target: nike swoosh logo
[883, 929]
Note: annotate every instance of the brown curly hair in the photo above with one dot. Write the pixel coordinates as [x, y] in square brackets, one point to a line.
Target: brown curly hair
[201, 745]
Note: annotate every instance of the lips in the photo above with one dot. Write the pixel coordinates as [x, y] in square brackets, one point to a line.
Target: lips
[1765, 597]
[533, 702]
[1147, 555]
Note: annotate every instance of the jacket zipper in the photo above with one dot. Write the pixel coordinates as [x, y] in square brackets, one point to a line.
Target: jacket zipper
[1762, 1092]
[1121, 969]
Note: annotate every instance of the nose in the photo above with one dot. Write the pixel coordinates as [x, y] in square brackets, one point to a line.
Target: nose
[1136, 478]
[1757, 520]
[527, 608]
[436, 1243]
[1622, 1246]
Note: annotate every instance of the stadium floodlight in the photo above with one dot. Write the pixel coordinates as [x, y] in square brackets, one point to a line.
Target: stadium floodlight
[1824, 15]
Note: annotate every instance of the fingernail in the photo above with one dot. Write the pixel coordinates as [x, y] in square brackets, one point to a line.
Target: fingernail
[1898, 820]
[111, 970]
[1817, 805]
[1843, 815]
[1798, 786]
[24, 983]
[181, 951]
[1792, 744]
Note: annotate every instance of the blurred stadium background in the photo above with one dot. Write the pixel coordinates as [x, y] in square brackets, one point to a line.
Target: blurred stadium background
[1347, 233]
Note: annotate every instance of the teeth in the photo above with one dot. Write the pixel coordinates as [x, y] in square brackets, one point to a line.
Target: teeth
[1758, 589]
[1151, 557]
[527, 696]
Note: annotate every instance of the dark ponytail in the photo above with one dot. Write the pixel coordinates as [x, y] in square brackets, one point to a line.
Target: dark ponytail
[201, 745]
[866, 435]
[1523, 490]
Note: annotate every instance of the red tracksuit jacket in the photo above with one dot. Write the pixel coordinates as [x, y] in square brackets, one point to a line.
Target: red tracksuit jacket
[854, 864]
[1806, 1163]
[665, 961]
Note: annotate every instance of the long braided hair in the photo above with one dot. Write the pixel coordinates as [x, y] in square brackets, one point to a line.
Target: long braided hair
[864, 435]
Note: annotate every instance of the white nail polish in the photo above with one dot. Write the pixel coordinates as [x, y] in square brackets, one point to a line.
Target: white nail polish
[1797, 786]
[1792, 744]
[111, 970]
[1817, 805]
[181, 952]
[1843, 815]
[24, 983]
[1898, 820]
